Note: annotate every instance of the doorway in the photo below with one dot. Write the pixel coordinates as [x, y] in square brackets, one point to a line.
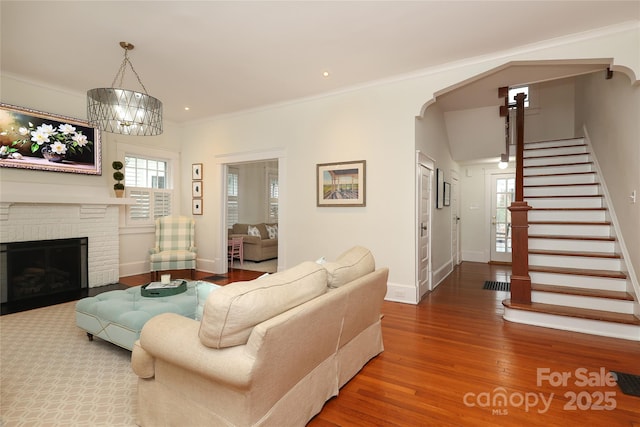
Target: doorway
[502, 194]
[273, 166]
[424, 174]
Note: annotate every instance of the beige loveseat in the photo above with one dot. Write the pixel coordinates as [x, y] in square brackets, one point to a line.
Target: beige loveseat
[268, 352]
[257, 248]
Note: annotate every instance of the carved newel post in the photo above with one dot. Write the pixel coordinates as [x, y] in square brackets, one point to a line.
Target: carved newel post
[520, 280]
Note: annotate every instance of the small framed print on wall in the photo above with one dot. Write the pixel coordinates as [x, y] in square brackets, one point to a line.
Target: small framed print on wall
[196, 208]
[196, 171]
[196, 189]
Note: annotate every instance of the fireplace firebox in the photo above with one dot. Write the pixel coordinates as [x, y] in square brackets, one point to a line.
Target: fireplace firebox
[42, 272]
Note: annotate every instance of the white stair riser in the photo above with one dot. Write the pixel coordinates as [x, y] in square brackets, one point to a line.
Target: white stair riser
[577, 281]
[587, 326]
[592, 263]
[544, 161]
[544, 170]
[572, 245]
[557, 143]
[563, 190]
[570, 230]
[582, 178]
[554, 151]
[566, 202]
[557, 215]
[579, 301]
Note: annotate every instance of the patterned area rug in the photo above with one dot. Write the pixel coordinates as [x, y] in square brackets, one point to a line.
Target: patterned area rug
[52, 375]
[628, 383]
[497, 286]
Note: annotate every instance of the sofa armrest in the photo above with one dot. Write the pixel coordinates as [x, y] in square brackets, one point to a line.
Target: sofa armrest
[174, 339]
[155, 250]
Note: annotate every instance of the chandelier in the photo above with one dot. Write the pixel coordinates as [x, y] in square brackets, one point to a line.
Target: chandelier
[124, 111]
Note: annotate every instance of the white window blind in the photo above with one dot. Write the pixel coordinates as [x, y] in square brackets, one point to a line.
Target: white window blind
[146, 180]
[232, 197]
[272, 214]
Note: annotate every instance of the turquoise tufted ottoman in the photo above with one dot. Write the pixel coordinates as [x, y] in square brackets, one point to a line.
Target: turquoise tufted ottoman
[118, 316]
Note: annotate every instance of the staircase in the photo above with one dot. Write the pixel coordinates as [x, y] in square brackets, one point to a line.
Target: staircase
[578, 279]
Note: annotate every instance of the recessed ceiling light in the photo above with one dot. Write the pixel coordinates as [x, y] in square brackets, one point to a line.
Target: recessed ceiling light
[325, 73]
[186, 108]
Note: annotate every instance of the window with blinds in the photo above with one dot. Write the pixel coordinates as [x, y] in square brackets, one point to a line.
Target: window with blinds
[232, 196]
[146, 181]
[272, 214]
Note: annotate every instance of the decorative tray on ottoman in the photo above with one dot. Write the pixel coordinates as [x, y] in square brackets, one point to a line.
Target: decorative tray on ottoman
[159, 289]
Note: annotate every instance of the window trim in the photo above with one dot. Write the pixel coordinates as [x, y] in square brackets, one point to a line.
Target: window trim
[173, 180]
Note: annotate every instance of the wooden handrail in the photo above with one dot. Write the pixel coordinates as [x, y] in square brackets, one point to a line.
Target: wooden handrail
[520, 280]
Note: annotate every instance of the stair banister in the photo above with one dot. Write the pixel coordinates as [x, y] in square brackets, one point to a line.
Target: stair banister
[520, 280]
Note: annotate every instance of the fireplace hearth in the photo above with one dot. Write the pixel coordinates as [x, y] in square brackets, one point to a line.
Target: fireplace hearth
[42, 272]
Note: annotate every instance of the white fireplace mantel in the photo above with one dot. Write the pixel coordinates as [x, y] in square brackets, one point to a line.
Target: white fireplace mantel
[95, 206]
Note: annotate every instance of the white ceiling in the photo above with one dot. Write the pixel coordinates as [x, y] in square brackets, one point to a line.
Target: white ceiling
[220, 57]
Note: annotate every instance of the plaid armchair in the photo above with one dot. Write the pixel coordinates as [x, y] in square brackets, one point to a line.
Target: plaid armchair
[175, 245]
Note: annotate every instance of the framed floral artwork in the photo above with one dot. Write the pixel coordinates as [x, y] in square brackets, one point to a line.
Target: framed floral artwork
[31, 139]
[341, 184]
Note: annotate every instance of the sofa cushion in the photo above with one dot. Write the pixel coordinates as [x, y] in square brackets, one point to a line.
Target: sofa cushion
[231, 312]
[350, 265]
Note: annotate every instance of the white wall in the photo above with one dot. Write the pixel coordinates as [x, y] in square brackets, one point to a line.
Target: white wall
[433, 141]
[609, 110]
[550, 114]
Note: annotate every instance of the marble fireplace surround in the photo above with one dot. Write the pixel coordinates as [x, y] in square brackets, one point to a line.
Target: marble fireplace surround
[27, 217]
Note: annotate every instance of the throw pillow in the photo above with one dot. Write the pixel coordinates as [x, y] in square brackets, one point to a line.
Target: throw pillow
[253, 231]
[203, 289]
[354, 263]
[273, 231]
[230, 317]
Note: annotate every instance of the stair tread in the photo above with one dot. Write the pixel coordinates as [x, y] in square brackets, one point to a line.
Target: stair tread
[559, 164]
[547, 156]
[570, 290]
[561, 185]
[569, 237]
[571, 222]
[568, 209]
[558, 174]
[552, 147]
[575, 253]
[583, 313]
[579, 271]
[561, 196]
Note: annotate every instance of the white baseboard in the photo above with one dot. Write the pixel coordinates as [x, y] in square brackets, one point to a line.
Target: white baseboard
[474, 256]
[397, 292]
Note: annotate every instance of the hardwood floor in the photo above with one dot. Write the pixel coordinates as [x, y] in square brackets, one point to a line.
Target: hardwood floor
[234, 275]
[449, 359]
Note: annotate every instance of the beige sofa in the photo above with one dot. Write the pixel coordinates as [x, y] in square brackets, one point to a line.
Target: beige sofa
[256, 248]
[268, 352]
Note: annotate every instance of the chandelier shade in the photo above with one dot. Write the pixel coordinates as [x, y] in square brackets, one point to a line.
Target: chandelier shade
[124, 111]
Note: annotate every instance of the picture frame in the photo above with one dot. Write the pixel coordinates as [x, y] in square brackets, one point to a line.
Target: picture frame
[196, 171]
[196, 189]
[196, 206]
[447, 194]
[341, 184]
[439, 189]
[35, 140]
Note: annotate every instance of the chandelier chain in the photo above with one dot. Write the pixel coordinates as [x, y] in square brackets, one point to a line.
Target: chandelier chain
[123, 69]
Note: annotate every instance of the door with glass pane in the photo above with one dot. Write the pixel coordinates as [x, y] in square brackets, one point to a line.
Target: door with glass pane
[503, 192]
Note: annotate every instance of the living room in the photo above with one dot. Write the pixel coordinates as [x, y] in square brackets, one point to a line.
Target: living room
[383, 122]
